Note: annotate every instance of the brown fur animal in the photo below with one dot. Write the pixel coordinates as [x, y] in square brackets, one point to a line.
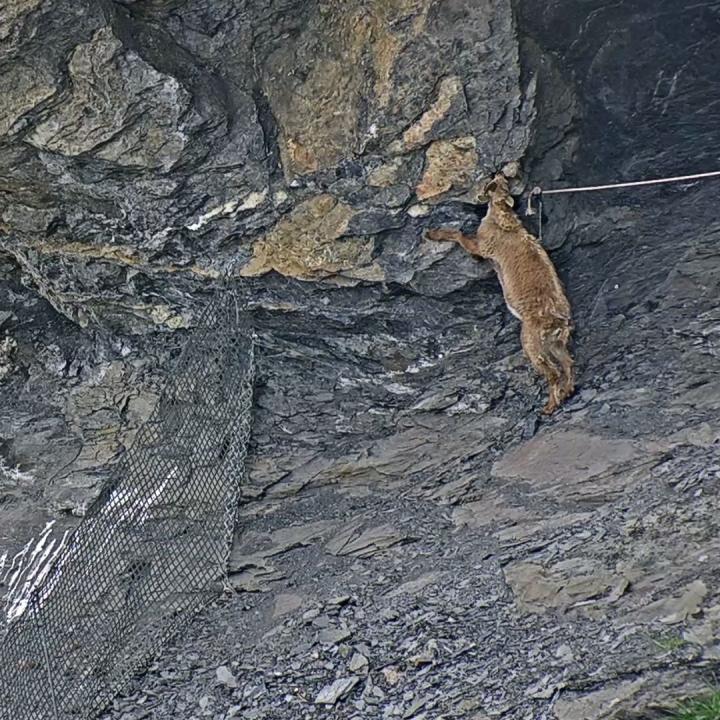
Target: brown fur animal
[533, 292]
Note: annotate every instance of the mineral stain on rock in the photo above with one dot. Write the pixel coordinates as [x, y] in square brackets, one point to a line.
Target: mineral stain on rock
[309, 245]
[449, 165]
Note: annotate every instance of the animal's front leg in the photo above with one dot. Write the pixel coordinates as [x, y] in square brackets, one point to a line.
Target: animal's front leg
[450, 235]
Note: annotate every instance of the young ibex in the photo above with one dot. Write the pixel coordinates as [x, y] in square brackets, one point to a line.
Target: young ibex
[533, 292]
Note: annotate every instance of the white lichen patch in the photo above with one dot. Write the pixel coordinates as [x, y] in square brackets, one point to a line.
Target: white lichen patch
[250, 202]
[8, 348]
[419, 210]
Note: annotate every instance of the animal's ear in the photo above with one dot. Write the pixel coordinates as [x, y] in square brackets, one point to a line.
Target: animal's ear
[510, 201]
[490, 186]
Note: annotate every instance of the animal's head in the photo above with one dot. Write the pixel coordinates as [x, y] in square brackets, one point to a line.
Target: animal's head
[498, 192]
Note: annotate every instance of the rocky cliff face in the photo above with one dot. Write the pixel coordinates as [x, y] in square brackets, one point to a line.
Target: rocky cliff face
[151, 148]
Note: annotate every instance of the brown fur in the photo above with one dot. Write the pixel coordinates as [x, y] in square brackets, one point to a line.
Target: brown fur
[533, 292]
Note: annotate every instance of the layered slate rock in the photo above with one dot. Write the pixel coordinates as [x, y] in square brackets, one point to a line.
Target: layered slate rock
[473, 559]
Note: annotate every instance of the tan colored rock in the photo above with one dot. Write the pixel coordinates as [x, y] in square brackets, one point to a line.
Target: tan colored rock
[630, 698]
[706, 633]
[385, 49]
[387, 174]
[118, 254]
[364, 543]
[597, 704]
[416, 136]
[307, 245]
[565, 458]
[12, 12]
[387, 40]
[538, 589]
[318, 110]
[674, 608]
[492, 510]
[286, 603]
[22, 89]
[165, 315]
[449, 165]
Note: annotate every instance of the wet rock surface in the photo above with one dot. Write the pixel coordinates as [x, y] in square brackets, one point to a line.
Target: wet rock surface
[413, 541]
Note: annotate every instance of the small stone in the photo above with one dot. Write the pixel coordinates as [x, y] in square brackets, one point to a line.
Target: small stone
[280, 197]
[333, 636]
[424, 658]
[8, 349]
[344, 650]
[225, 677]
[330, 694]
[358, 662]
[311, 614]
[321, 621]
[419, 210]
[565, 654]
[339, 600]
[392, 676]
[286, 603]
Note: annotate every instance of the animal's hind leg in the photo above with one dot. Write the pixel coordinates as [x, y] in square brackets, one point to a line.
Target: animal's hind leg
[534, 347]
[555, 389]
[556, 348]
[568, 367]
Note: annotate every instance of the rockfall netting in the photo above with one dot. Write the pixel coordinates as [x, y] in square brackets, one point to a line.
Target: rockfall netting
[153, 548]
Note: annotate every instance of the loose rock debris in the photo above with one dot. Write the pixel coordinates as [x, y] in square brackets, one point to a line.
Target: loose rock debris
[451, 625]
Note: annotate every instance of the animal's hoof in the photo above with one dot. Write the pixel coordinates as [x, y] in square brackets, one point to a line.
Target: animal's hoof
[550, 408]
[436, 235]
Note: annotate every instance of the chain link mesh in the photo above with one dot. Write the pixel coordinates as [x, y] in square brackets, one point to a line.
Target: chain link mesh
[153, 549]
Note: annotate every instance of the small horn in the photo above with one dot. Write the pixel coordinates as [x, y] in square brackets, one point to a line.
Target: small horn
[489, 186]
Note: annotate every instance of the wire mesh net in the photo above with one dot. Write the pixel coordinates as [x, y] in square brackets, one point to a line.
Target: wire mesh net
[153, 548]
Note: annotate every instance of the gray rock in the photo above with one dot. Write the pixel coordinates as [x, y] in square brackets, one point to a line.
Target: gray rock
[358, 663]
[225, 677]
[334, 636]
[330, 694]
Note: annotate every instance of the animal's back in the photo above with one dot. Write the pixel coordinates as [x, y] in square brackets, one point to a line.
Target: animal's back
[530, 284]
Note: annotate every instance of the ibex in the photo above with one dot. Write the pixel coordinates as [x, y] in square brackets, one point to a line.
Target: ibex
[533, 292]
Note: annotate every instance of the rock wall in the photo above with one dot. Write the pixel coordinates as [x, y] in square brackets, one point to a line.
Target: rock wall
[167, 139]
[151, 148]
